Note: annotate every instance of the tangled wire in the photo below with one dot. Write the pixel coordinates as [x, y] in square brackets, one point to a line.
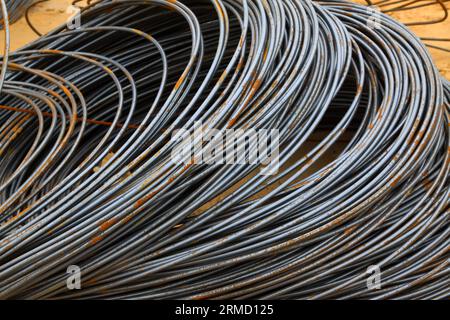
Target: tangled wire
[86, 175]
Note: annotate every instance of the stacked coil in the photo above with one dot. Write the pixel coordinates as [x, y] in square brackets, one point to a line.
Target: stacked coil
[87, 179]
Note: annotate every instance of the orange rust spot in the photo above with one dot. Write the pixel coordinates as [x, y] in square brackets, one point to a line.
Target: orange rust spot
[257, 84]
[380, 114]
[96, 239]
[427, 183]
[221, 13]
[395, 182]
[359, 89]
[127, 218]
[179, 82]
[51, 51]
[104, 161]
[309, 161]
[144, 199]
[274, 84]
[107, 224]
[17, 129]
[138, 32]
[66, 91]
[303, 183]
[232, 121]
[266, 51]
[371, 126]
[223, 76]
[324, 173]
[17, 216]
[410, 139]
[108, 70]
[349, 231]
[419, 136]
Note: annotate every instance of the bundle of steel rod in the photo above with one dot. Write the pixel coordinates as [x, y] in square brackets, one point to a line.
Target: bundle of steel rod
[87, 176]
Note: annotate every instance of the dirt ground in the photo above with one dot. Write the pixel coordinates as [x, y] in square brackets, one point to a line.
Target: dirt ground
[48, 15]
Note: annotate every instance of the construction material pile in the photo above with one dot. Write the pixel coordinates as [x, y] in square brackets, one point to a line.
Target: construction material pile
[88, 179]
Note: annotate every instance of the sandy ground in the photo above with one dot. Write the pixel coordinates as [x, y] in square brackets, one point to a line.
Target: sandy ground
[48, 15]
[44, 16]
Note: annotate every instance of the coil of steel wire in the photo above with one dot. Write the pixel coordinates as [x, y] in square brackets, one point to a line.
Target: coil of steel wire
[86, 177]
